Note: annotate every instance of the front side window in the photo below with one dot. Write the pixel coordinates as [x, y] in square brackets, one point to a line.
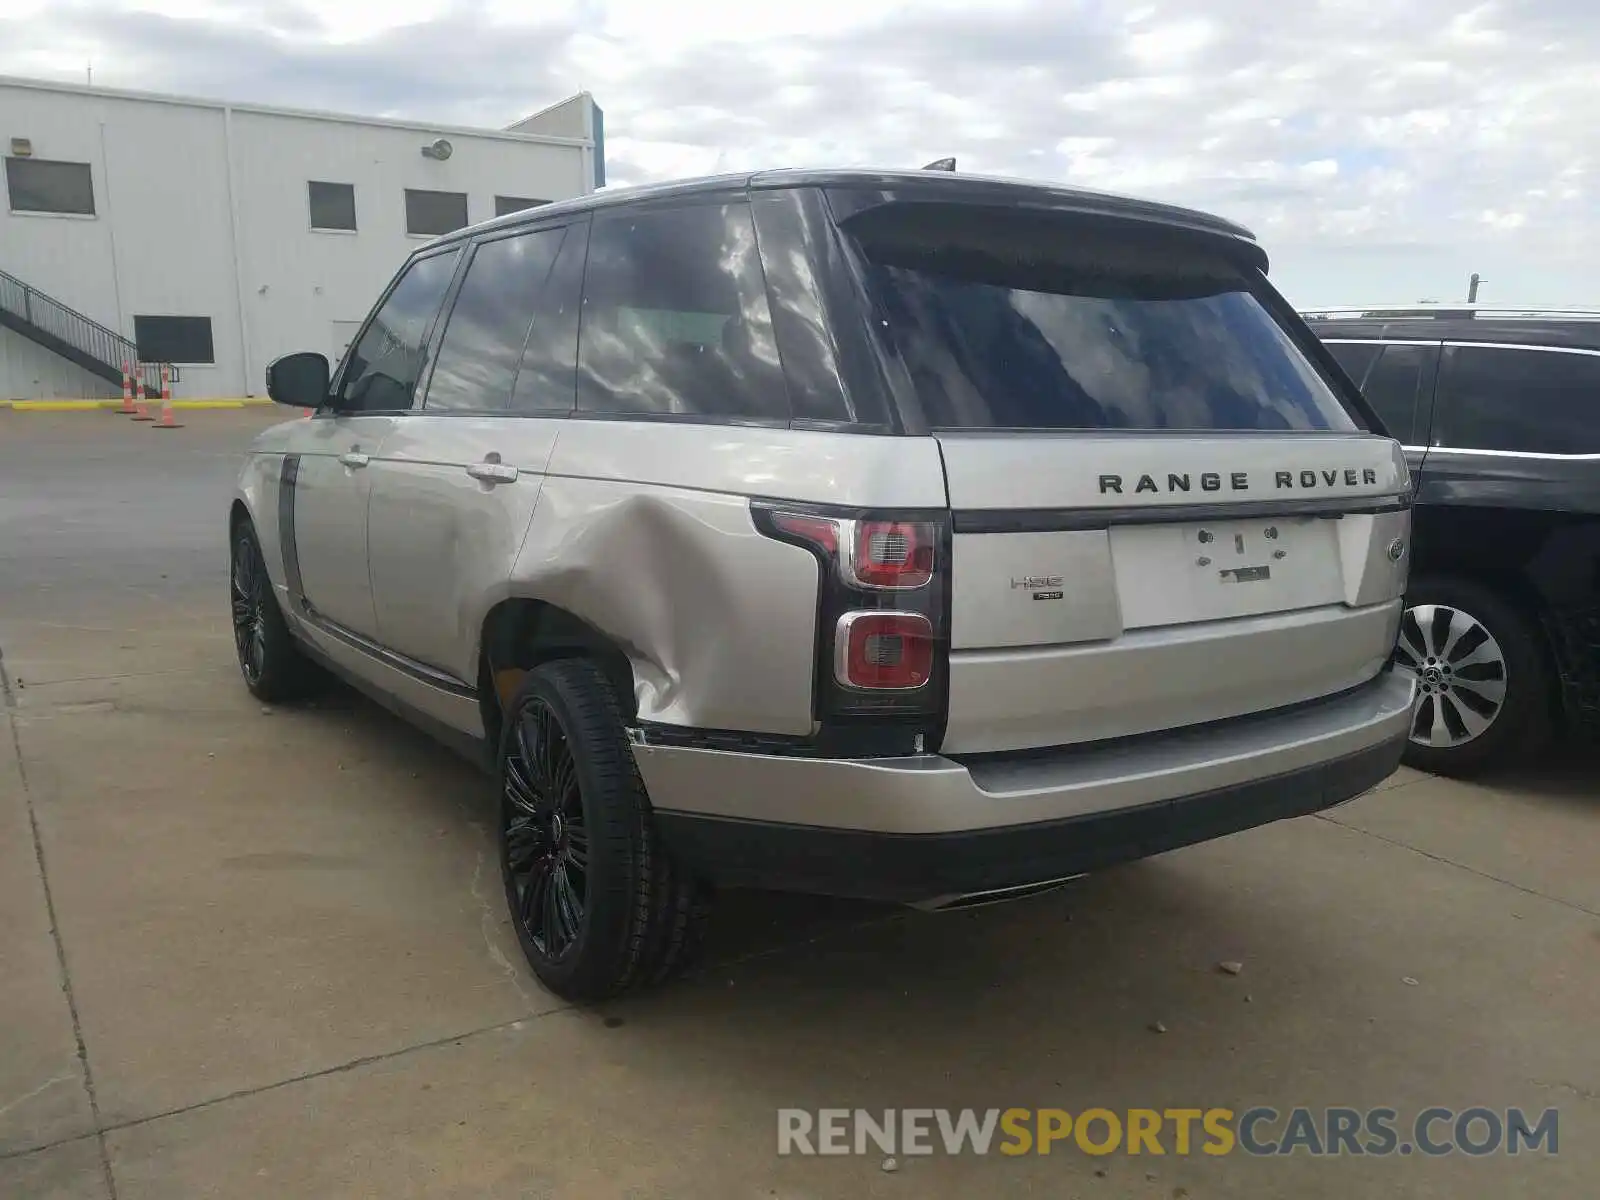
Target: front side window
[1012, 322]
[381, 372]
[488, 327]
[1534, 401]
[675, 318]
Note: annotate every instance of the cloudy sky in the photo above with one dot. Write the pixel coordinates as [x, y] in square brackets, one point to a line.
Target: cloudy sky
[1383, 151]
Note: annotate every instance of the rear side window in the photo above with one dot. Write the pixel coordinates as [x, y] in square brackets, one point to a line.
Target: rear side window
[675, 318]
[1354, 357]
[477, 361]
[1012, 322]
[1394, 385]
[1535, 401]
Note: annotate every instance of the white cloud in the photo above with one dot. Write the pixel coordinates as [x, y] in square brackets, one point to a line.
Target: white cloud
[1378, 149]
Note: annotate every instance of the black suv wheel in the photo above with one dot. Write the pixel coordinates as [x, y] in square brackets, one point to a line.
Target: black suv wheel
[273, 668]
[1484, 679]
[597, 904]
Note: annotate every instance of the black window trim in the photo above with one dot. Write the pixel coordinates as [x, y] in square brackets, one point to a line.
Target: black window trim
[346, 230]
[94, 200]
[469, 246]
[1534, 455]
[337, 381]
[706, 199]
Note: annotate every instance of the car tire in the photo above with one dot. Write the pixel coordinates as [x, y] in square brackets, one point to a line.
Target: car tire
[1484, 676]
[274, 668]
[598, 904]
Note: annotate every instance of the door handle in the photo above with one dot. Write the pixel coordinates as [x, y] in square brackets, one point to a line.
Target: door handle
[354, 459]
[493, 472]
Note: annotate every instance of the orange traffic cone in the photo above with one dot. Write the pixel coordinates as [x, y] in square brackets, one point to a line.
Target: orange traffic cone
[167, 421]
[127, 408]
[141, 410]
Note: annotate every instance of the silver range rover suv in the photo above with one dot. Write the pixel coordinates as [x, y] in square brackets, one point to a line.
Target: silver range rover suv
[913, 537]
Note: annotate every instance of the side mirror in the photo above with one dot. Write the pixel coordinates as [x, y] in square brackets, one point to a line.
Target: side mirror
[299, 380]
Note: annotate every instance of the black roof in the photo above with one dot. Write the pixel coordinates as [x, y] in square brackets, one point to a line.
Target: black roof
[1574, 332]
[945, 186]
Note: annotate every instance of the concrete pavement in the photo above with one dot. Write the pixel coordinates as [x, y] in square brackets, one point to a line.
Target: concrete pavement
[250, 952]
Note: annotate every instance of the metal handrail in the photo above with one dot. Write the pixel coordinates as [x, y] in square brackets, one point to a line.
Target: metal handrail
[84, 334]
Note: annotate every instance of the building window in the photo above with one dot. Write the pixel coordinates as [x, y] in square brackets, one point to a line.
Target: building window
[333, 205]
[511, 204]
[41, 186]
[432, 213]
[174, 339]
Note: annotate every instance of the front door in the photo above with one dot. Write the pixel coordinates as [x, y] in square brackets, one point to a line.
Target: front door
[454, 488]
[375, 384]
[331, 489]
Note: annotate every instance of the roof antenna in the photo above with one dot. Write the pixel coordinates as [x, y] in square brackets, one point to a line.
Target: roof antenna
[941, 164]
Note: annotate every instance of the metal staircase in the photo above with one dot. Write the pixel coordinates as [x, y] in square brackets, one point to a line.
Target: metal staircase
[73, 336]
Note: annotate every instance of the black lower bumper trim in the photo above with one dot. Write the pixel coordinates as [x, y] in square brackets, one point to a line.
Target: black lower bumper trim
[908, 868]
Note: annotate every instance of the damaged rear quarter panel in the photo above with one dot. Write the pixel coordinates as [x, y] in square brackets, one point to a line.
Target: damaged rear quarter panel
[644, 531]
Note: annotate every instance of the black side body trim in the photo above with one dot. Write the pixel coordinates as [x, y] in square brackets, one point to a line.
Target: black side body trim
[906, 868]
[389, 658]
[1051, 520]
[287, 479]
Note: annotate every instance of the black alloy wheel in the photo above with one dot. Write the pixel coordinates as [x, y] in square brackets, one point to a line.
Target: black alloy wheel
[272, 664]
[547, 841]
[598, 904]
[249, 618]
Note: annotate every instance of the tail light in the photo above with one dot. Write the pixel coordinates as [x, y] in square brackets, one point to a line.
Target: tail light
[882, 621]
[894, 555]
[883, 650]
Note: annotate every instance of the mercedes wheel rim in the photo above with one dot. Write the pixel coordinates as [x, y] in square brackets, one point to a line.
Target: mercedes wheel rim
[1461, 674]
[249, 611]
[547, 840]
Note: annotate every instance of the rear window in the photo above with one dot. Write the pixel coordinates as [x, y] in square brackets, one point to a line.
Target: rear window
[1020, 322]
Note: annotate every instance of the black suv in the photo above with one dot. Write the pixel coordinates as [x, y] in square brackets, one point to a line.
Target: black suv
[1499, 413]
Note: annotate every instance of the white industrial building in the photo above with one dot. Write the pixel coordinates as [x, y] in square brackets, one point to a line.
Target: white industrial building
[215, 236]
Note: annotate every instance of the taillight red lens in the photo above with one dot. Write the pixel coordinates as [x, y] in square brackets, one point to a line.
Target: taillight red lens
[883, 650]
[892, 554]
[819, 531]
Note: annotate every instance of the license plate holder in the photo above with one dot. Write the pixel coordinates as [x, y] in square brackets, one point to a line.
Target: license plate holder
[1214, 570]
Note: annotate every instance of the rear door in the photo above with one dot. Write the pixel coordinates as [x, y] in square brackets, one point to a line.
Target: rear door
[455, 485]
[1163, 515]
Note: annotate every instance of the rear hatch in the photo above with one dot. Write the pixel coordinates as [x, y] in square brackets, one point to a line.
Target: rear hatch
[1163, 514]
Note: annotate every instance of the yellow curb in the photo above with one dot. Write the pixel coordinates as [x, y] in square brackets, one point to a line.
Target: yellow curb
[98, 405]
[61, 405]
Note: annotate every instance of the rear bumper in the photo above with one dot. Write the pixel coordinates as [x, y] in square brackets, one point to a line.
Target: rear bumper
[927, 828]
